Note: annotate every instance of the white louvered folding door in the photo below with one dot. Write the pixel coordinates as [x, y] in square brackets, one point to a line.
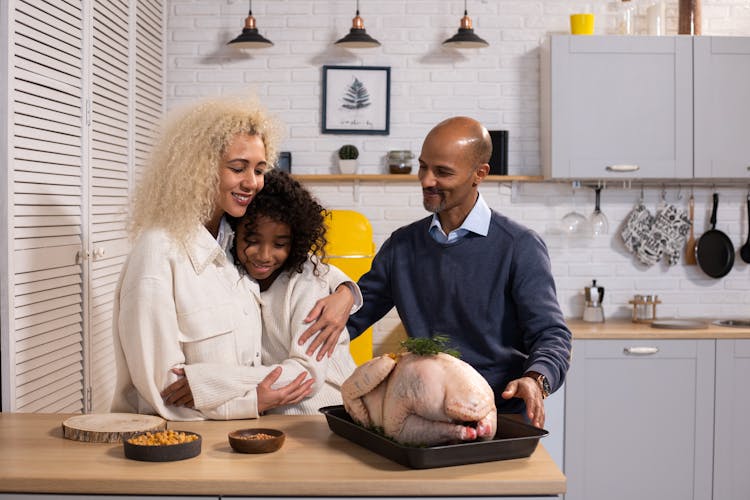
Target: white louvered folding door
[126, 102]
[110, 158]
[85, 88]
[46, 209]
[149, 78]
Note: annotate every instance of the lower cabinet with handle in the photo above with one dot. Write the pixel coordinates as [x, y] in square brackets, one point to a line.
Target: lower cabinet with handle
[639, 419]
[731, 436]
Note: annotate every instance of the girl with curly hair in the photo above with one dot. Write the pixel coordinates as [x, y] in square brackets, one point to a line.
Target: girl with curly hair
[280, 242]
[187, 326]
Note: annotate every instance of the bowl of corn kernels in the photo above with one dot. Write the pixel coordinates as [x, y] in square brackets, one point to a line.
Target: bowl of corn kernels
[256, 440]
[163, 446]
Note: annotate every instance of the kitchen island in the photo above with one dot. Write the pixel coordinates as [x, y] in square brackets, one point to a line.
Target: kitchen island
[35, 458]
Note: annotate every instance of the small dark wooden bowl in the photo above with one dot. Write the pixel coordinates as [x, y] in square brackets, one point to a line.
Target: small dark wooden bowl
[241, 440]
[163, 453]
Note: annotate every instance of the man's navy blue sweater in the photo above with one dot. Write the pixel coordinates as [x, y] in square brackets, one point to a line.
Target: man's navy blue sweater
[493, 296]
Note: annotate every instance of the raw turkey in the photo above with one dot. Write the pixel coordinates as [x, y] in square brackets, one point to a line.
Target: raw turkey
[420, 400]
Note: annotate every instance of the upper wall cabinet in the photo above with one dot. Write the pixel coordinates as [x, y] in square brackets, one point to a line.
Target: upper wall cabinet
[639, 107]
[617, 107]
[722, 106]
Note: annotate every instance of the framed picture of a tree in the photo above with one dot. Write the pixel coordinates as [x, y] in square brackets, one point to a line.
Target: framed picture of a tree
[356, 99]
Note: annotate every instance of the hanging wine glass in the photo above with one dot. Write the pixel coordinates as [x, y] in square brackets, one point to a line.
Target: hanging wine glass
[598, 221]
[574, 223]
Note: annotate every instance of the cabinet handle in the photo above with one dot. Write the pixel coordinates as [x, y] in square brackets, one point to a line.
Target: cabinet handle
[622, 168]
[82, 255]
[641, 351]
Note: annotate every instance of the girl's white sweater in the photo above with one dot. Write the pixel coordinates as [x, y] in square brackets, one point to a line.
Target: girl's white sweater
[283, 308]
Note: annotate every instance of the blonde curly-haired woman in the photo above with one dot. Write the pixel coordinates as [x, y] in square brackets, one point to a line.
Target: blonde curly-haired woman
[187, 326]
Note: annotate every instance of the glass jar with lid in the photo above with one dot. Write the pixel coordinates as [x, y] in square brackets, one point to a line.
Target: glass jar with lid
[399, 162]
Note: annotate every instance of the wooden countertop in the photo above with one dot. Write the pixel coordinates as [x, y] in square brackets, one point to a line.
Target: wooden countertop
[35, 458]
[626, 329]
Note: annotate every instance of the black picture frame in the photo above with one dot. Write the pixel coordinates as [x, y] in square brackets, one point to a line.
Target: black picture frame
[356, 100]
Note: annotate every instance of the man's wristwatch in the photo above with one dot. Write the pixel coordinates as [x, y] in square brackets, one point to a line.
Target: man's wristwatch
[542, 381]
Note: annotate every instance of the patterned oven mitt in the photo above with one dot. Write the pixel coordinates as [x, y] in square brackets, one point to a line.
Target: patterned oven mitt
[637, 229]
[670, 228]
[653, 246]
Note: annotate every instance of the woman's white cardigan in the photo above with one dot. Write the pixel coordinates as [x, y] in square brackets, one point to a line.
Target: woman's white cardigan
[187, 306]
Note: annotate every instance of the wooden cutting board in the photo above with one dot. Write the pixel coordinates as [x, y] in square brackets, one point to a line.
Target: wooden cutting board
[109, 427]
[680, 324]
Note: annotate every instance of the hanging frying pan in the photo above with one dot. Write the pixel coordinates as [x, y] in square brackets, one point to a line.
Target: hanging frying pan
[745, 249]
[714, 251]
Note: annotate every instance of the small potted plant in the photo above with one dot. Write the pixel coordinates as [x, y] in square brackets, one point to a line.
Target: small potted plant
[348, 155]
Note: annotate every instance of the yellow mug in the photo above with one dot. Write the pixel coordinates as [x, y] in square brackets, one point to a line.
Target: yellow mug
[582, 24]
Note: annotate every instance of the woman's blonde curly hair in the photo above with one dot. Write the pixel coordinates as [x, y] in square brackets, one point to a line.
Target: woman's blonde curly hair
[179, 187]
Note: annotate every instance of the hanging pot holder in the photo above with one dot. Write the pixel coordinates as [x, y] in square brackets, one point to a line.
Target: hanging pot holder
[637, 228]
[670, 228]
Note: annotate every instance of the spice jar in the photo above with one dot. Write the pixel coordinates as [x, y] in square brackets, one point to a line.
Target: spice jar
[399, 162]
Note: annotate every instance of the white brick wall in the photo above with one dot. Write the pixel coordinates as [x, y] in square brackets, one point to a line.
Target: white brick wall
[498, 85]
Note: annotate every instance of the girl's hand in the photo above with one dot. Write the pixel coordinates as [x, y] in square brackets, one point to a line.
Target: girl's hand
[330, 314]
[289, 394]
[178, 393]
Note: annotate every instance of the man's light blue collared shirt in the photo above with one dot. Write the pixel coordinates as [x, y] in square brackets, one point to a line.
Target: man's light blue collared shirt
[478, 221]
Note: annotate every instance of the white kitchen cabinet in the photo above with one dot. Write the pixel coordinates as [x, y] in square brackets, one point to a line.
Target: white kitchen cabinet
[722, 106]
[617, 107]
[639, 419]
[732, 441]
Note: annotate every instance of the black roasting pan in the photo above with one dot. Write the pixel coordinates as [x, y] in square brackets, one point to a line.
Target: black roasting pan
[514, 439]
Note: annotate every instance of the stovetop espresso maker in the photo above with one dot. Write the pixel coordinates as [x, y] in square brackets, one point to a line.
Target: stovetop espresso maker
[593, 311]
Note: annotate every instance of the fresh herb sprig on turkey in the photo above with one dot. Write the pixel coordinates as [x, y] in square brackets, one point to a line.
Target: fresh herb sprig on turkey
[429, 346]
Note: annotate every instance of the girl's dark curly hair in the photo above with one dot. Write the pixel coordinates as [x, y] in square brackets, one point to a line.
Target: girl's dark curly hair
[283, 199]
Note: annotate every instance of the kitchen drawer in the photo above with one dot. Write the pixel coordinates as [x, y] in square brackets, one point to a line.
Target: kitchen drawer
[640, 349]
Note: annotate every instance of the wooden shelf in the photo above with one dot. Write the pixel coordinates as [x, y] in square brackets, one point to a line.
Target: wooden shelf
[402, 177]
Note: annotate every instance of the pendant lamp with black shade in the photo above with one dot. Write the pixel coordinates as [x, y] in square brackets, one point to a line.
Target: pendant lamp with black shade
[465, 38]
[250, 38]
[357, 38]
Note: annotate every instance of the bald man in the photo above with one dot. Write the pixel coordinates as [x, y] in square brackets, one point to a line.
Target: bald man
[472, 274]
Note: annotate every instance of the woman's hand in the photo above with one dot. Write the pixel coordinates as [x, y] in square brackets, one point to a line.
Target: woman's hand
[178, 393]
[290, 394]
[330, 315]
